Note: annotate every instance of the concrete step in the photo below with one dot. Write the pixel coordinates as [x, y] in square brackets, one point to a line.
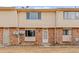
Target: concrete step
[28, 43]
[45, 44]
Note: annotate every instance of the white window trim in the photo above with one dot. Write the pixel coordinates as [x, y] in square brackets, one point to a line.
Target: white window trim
[30, 38]
[36, 16]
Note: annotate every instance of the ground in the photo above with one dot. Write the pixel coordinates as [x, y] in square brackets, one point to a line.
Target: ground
[35, 49]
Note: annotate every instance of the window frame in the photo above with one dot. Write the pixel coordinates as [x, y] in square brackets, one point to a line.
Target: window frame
[69, 31]
[32, 35]
[28, 17]
[67, 16]
[65, 32]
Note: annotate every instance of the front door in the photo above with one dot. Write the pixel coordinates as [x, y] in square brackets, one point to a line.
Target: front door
[6, 39]
[45, 36]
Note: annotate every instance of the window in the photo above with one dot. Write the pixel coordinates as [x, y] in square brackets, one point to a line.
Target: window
[71, 15]
[67, 32]
[29, 33]
[33, 15]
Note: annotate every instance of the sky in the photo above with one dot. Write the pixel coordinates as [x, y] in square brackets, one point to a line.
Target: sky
[46, 7]
[9, 3]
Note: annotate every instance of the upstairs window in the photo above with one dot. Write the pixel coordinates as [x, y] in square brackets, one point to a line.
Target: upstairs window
[33, 15]
[71, 15]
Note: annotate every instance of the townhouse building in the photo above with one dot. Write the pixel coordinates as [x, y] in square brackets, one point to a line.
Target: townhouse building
[39, 26]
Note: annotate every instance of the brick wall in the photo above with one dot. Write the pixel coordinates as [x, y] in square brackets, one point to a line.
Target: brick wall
[38, 36]
[21, 36]
[1, 35]
[51, 35]
[13, 38]
[59, 34]
[75, 34]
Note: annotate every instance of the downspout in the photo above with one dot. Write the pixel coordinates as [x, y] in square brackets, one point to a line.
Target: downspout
[55, 27]
[18, 26]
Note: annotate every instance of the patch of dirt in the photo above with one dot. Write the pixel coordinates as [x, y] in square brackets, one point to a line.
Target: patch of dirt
[35, 49]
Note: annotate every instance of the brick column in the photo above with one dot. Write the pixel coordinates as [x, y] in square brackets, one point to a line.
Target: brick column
[59, 35]
[21, 37]
[75, 34]
[38, 36]
[13, 38]
[1, 35]
[51, 36]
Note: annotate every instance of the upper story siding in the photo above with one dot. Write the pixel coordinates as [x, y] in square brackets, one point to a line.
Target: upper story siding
[50, 18]
[8, 17]
[62, 22]
[47, 20]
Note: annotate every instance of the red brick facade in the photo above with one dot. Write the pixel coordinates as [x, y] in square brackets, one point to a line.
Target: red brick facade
[59, 34]
[51, 36]
[75, 34]
[38, 36]
[13, 37]
[21, 36]
[52, 39]
[1, 35]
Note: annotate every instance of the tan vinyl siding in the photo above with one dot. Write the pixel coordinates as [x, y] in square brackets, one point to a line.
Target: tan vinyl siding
[8, 18]
[47, 20]
[61, 22]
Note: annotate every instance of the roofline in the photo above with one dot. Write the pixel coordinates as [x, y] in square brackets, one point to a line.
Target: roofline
[7, 8]
[36, 10]
[39, 10]
[49, 10]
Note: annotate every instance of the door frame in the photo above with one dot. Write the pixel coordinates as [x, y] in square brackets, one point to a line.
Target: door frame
[8, 42]
[43, 36]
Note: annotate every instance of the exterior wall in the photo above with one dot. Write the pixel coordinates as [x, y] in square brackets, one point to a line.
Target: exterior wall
[61, 22]
[69, 38]
[38, 36]
[1, 35]
[47, 20]
[59, 35]
[21, 37]
[51, 35]
[13, 37]
[75, 35]
[8, 18]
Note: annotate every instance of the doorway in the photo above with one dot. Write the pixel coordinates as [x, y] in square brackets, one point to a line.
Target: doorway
[45, 36]
[6, 38]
